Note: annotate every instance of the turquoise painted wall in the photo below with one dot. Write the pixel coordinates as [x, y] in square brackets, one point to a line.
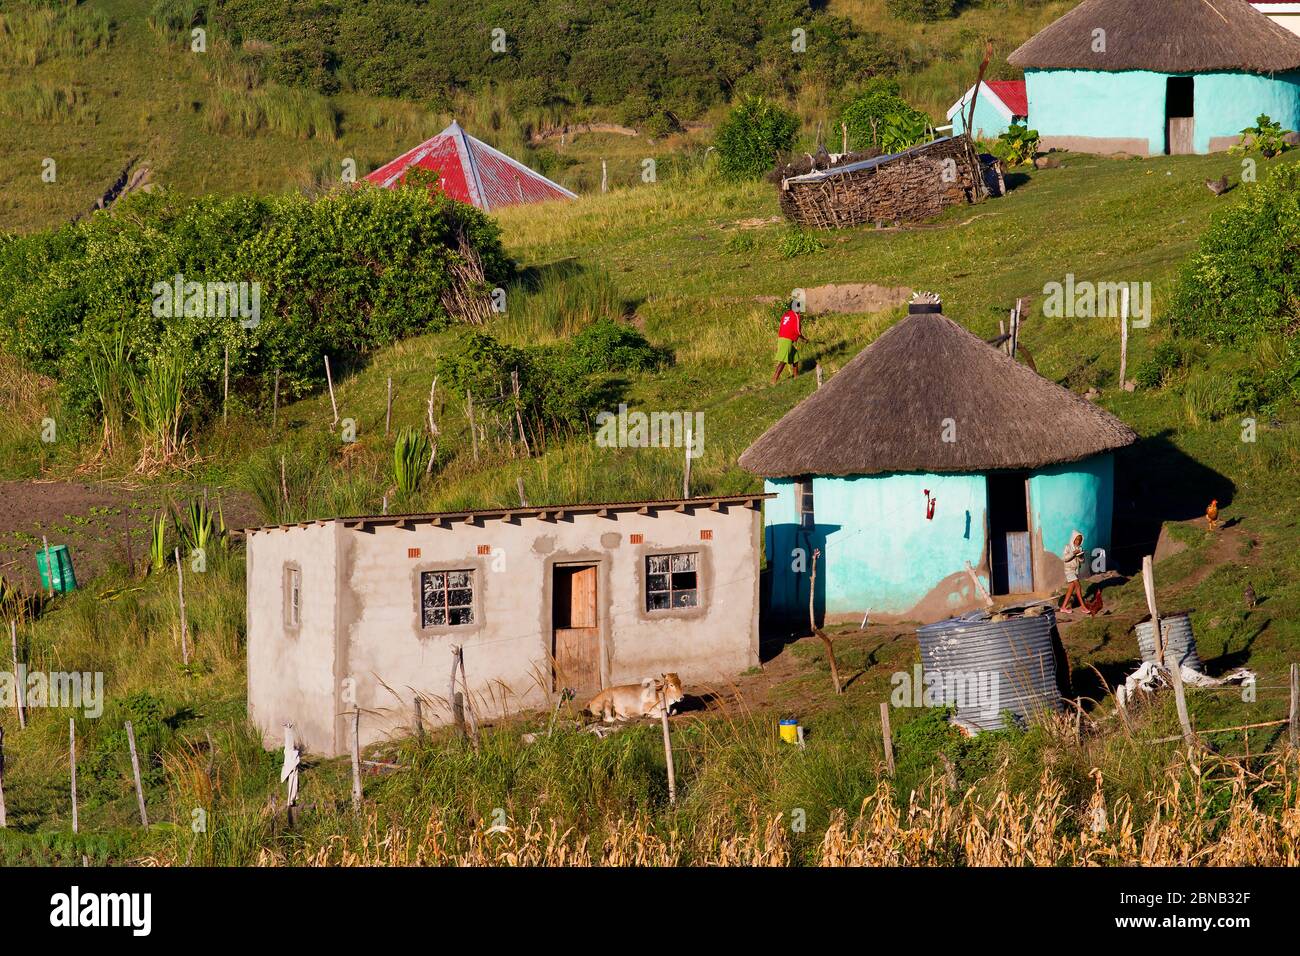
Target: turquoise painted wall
[1077, 496]
[877, 547]
[989, 123]
[1131, 104]
[879, 551]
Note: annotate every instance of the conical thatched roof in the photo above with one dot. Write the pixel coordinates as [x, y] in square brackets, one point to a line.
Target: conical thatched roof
[1165, 36]
[885, 412]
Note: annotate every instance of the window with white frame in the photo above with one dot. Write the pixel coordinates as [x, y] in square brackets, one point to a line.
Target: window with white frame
[292, 596]
[671, 581]
[804, 497]
[446, 598]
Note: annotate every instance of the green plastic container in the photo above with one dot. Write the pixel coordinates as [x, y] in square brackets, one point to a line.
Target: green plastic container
[64, 578]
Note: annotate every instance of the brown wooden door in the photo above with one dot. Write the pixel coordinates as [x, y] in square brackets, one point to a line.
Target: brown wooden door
[1182, 135]
[576, 642]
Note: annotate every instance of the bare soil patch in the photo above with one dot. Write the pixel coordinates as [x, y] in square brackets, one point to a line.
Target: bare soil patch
[100, 522]
[850, 298]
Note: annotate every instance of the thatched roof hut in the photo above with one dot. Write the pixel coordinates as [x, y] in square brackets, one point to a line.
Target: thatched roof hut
[1164, 36]
[931, 462]
[885, 412]
[1159, 76]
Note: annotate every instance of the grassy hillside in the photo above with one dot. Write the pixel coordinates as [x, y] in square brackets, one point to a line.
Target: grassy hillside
[104, 87]
[699, 266]
[688, 259]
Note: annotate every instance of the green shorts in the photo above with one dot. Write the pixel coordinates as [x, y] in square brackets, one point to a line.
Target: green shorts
[785, 351]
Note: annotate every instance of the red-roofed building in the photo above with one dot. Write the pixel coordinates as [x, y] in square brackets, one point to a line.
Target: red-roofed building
[471, 171]
[1000, 103]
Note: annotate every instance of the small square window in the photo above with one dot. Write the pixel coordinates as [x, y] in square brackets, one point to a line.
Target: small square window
[671, 581]
[292, 596]
[446, 598]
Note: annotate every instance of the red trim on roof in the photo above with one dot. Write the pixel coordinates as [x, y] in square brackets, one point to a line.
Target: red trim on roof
[1012, 94]
[471, 171]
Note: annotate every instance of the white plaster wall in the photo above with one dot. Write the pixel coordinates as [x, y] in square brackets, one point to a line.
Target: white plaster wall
[291, 676]
[507, 649]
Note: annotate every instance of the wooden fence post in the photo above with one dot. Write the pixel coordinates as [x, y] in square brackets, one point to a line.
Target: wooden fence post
[329, 379]
[418, 719]
[49, 568]
[289, 772]
[225, 385]
[135, 771]
[1176, 671]
[20, 685]
[469, 702]
[388, 414]
[1295, 706]
[473, 431]
[180, 594]
[686, 474]
[668, 747]
[453, 698]
[3, 821]
[72, 762]
[887, 735]
[1123, 339]
[519, 484]
[519, 416]
[434, 430]
[356, 759]
[812, 622]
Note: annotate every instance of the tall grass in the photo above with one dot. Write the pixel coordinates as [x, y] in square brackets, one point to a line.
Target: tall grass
[158, 410]
[563, 301]
[29, 36]
[43, 102]
[110, 373]
[177, 16]
[300, 114]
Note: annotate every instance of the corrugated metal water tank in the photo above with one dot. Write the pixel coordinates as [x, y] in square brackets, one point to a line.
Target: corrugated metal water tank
[1019, 651]
[1180, 642]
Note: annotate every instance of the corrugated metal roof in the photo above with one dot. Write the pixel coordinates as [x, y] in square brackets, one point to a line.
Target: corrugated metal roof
[472, 171]
[542, 511]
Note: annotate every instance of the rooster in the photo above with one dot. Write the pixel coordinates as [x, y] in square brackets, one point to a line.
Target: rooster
[1217, 186]
[1249, 596]
[1093, 603]
[1212, 514]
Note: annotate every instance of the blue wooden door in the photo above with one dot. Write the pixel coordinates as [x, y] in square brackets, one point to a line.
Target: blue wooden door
[1020, 572]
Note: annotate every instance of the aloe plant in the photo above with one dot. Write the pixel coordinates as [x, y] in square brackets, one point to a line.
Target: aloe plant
[158, 543]
[196, 526]
[409, 454]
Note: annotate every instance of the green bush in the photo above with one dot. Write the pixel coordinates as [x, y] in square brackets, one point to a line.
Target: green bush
[561, 386]
[1242, 282]
[879, 118]
[339, 275]
[751, 137]
[921, 10]
[1165, 359]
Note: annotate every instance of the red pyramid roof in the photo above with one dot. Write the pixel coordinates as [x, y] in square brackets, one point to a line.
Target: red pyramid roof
[472, 171]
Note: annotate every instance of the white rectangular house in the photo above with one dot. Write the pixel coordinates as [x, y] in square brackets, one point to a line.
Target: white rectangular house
[365, 611]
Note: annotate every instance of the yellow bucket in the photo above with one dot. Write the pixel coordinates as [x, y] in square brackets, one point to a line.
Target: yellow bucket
[790, 731]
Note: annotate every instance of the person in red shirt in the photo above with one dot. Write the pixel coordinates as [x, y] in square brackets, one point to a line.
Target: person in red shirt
[788, 334]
